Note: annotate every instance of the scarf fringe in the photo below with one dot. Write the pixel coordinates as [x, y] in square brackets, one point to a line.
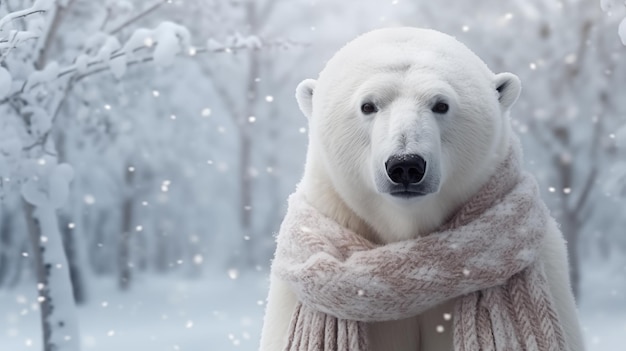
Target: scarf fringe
[314, 330]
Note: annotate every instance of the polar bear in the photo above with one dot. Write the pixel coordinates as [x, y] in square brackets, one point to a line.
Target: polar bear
[421, 94]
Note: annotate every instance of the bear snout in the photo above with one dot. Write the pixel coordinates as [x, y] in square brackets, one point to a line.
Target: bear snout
[406, 169]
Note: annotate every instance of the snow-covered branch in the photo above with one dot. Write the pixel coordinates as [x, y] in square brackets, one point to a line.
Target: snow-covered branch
[166, 45]
[12, 39]
[40, 6]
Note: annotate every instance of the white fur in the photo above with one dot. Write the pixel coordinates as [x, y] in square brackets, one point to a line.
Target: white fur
[404, 71]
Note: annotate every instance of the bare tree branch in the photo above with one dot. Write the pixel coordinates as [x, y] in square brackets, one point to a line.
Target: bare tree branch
[41, 141]
[138, 16]
[44, 47]
[105, 21]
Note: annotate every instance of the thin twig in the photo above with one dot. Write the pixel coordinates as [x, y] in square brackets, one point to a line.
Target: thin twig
[39, 142]
[105, 21]
[138, 16]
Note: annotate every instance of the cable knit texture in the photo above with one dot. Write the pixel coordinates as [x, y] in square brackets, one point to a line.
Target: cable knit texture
[485, 257]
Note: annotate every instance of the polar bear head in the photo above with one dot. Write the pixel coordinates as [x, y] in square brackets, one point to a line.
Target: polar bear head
[404, 122]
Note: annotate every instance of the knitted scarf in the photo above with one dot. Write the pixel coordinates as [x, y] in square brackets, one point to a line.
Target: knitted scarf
[485, 256]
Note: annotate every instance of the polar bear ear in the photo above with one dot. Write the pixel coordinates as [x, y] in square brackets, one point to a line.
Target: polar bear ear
[304, 95]
[508, 87]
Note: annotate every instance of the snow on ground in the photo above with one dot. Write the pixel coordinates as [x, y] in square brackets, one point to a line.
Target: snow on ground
[219, 313]
[603, 306]
[158, 314]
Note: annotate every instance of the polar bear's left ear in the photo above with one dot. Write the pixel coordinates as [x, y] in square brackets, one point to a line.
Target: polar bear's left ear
[508, 87]
[304, 95]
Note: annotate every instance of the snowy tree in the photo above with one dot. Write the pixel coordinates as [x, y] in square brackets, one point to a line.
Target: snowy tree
[36, 79]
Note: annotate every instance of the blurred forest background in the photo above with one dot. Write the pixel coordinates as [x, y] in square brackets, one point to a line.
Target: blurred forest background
[152, 166]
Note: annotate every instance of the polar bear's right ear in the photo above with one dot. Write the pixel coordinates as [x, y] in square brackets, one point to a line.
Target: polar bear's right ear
[304, 95]
[508, 87]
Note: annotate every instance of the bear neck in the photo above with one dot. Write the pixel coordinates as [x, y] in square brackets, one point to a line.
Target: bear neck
[375, 218]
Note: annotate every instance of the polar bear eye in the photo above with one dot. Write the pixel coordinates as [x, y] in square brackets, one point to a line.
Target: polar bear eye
[441, 107]
[368, 108]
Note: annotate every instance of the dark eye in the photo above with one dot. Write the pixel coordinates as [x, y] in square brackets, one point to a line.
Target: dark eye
[368, 108]
[441, 107]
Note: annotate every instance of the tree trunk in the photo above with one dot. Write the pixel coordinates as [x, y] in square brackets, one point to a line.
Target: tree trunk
[11, 247]
[58, 318]
[73, 244]
[245, 201]
[41, 270]
[275, 201]
[76, 275]
[571, 232]
[124, 259]
[570, 214]
[99, 259]
[6, 244]
[161, 258]
[250, 242]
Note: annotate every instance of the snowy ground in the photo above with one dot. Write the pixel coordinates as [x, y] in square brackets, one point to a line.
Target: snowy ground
[214, 314]
[220, 313]
[603, 306]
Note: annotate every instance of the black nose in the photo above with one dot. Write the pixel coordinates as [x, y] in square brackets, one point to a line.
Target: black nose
[406, 169]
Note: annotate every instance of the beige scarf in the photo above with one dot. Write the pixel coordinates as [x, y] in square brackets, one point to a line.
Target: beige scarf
[485, 256]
